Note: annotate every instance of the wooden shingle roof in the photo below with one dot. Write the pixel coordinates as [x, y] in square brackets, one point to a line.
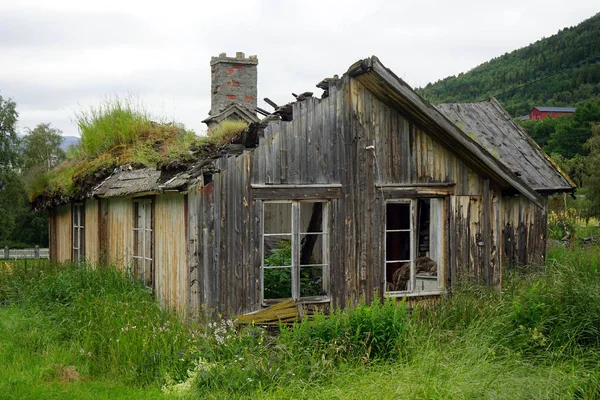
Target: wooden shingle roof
[493, 128]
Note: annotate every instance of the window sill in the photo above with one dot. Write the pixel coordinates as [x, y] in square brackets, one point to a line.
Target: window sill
[414, 294]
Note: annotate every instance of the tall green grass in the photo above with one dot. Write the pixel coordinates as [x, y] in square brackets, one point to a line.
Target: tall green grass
[114, 122]
[539, 338]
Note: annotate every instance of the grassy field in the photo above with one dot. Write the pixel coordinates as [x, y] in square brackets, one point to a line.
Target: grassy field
[70, 332]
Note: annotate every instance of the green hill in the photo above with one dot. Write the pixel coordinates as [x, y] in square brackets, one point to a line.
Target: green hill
[561, 70]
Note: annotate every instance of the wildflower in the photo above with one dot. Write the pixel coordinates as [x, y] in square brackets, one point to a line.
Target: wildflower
[249, 379]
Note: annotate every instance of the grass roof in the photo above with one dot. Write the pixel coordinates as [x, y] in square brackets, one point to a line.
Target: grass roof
[116, 134]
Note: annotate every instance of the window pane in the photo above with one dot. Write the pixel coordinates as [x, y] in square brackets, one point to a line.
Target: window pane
[149, 277]
[426, 274]
[311, 249]
[277, 251]
[397, 276]
[311, 217]
[423, 219]
[277, 218]
[397, 246]
[398, 216]
[137, 268]
[148, 215]
[278, 283]
[312, 281]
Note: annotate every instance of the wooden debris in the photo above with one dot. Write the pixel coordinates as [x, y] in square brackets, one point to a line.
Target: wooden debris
[286, 312]
[271, 103]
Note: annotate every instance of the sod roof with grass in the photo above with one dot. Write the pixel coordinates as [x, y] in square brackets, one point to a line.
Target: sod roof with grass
[121, 144]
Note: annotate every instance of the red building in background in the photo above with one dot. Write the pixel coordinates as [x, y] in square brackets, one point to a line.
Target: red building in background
[553, 112]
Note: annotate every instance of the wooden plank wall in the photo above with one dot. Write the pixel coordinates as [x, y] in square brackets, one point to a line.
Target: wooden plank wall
[170, 251]
[524, 228]
[64, 233]
[225, 263]
[405, 155]
[92, 231]
[119, 231]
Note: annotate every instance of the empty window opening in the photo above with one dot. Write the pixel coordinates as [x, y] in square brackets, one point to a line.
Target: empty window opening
[295, 258]
[413, 243]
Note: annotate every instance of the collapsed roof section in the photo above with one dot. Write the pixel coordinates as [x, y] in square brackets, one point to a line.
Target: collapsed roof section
[482, 134]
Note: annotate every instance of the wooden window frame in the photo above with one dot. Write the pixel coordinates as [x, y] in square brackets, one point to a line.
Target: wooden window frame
[78, 227]
[147, 204]
[296, 235]
[412, 290]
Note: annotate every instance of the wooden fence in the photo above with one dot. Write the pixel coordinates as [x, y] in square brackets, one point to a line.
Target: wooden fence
[19, 254]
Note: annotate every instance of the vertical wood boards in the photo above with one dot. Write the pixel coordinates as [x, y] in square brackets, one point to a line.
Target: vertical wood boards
[64, 233]
[523, 232]
[92, 231]
[170, 251]
[119, 231]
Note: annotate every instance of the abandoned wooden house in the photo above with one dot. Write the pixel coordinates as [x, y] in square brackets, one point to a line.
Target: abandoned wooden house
[367, 191]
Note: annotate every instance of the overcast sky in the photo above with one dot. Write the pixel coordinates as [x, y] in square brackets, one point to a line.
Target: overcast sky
[58, 57]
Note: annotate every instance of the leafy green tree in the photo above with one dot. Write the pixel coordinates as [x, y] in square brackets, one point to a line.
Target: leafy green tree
[593, 161]
[571, 133]
[41, 148]
[11, 184]
[9, 139]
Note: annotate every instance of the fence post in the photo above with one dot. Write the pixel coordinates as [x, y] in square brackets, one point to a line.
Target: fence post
[36, 252]
[6, 253]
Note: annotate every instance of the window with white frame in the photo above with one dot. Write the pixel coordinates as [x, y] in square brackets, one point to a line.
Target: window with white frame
[143, 259]
[414, 236]
[295, 250]
[78, 232]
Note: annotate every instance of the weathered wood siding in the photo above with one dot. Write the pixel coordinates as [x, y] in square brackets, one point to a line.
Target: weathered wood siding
[170, 250]
[224, 263]
[92, 230]
[119, 231]
[524, 228]
[64, 233]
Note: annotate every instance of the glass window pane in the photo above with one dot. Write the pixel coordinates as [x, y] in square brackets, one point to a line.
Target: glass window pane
[397, 246]
[397, 216]
[311, 217]
[312, 281]
[397, 276]
[277, 218]
[277, 250]
[311, 249]
[277, 283]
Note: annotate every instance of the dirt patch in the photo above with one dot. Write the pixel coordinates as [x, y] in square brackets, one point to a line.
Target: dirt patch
[62, 373]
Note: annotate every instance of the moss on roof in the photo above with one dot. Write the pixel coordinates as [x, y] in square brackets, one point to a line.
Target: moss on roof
[115, 136]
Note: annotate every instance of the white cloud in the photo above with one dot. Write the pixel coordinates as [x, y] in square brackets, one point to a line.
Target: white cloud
[59, 56]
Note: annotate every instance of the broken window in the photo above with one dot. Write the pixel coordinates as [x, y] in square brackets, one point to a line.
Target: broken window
[414, 233]
[295, 260]
[143, 260]
[78, 233]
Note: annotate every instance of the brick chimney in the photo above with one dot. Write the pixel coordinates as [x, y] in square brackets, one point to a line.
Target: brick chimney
[233, 82]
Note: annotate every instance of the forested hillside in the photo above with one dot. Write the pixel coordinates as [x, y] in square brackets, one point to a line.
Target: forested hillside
[561, 70]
